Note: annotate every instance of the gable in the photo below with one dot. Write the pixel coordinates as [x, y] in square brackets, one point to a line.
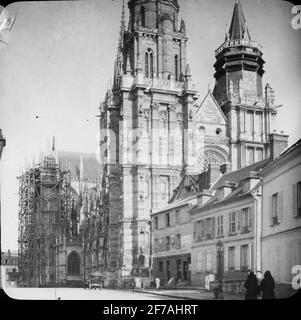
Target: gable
[210, 112]
[187, 187]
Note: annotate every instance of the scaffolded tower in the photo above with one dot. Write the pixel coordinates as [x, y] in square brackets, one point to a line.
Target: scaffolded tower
[44, 208]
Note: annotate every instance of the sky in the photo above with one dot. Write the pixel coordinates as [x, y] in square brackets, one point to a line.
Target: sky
[58, 63]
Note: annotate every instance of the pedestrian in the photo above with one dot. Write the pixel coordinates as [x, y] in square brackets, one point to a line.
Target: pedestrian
[267, 286]
[251, 285]
[133, 284]
[157, 280]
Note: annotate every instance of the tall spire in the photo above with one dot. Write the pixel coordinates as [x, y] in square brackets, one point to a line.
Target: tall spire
[238, 29]
[118, 71]
[122, 28]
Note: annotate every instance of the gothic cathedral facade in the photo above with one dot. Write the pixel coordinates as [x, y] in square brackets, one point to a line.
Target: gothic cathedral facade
[154, 128]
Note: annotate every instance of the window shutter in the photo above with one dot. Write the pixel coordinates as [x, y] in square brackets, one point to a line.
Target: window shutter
[226, 262]
[280, 206]
[250, 258]
[222, 224]
[243, 218]
[229, 223]
[238, 220]
[295, 202]
[271, 211]
[251, 218]
[213, 227]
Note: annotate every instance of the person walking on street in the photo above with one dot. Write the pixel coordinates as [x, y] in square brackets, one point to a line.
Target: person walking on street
[267, 286]
[251, 285]
[157, 283]
[133, 284]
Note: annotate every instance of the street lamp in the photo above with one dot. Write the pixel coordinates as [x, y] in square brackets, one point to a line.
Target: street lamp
[220, 262]
[150, 247]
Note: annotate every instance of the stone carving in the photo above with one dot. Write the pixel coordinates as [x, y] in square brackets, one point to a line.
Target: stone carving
[172, 107]
[210, 156]
[216, 140]
[163, 115]
[146, 113]
[155, 106]
[180, 116]
[140, 111]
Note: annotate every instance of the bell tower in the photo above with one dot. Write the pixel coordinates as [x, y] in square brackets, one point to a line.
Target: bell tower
[154, 43]
[147, 122]
[238, 89]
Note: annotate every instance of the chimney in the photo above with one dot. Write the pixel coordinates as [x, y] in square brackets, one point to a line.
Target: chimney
[226, 168]
[213, 173]
[250, 182]
[278, 143]
[224, 190]
[203, 197]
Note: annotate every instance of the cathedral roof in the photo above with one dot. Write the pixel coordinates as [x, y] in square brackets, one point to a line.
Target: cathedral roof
[238, 29]
[72, 161]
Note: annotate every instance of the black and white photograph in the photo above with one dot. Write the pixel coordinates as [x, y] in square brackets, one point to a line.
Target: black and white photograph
[150, 150]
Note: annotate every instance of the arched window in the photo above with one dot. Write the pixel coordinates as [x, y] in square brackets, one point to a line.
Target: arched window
[73, 263]
[146, 65]
[149, 64]
[142, 16]
[176, 68]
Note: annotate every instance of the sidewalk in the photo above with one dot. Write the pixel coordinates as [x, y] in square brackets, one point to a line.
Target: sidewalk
[189, 293]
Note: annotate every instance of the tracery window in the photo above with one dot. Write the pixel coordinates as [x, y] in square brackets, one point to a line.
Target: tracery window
[73, 263]
[149, 64]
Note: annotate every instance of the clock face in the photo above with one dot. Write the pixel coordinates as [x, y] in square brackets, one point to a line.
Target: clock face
[210, 156]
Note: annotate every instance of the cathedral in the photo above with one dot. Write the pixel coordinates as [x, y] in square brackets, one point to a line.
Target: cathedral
[155, 129]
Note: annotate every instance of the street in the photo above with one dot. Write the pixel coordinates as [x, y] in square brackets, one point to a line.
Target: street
[110, 294]
[80, 294]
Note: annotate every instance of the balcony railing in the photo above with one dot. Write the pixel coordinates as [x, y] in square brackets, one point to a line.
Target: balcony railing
[164, 84]
[209, 236]
[245, 229]
[237, 43]
[275, 220]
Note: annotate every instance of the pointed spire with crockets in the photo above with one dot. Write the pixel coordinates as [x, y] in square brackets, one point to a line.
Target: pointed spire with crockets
[238, 29]
[122, 29]
[118, 67]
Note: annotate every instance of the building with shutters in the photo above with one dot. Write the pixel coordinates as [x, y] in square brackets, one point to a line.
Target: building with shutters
[228, 211]
[172, 234]
[154, 129]
[281, 219]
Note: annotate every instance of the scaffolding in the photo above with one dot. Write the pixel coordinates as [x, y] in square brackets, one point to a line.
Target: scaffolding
[44, 219]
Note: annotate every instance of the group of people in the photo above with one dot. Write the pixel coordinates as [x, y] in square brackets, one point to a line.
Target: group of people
[134, 284]
[265, 288]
